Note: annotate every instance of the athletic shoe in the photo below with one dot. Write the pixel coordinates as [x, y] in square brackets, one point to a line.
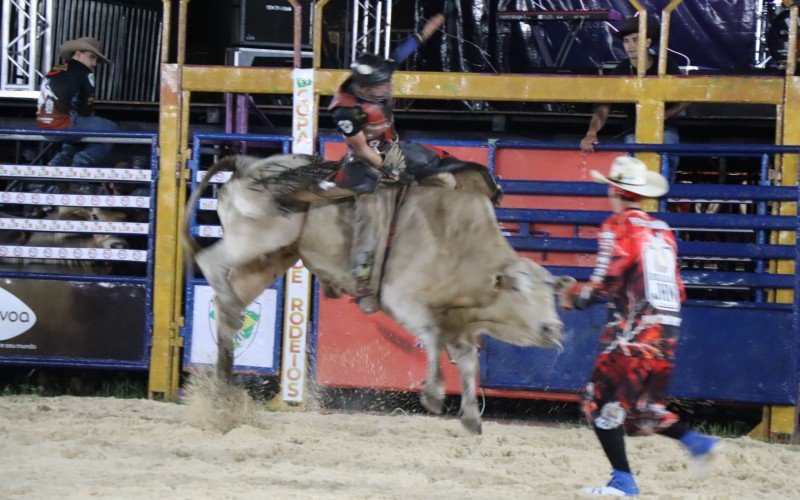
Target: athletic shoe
[702, 449]
[620, 485]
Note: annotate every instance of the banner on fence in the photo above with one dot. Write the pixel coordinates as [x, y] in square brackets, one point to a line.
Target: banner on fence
[295, 332]
[253, 345]
[303, 123]
[297, 305]
[69, 319]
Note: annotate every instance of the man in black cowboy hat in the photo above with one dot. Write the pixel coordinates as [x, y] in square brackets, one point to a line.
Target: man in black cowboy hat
[363, 112]
[629, 34]
[66, 102]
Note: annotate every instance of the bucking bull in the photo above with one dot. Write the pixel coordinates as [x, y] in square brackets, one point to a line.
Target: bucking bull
[449, 275]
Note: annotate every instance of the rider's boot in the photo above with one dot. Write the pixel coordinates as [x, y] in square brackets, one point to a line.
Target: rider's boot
[362, 256]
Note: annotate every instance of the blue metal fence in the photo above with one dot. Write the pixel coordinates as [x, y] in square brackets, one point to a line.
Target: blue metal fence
[738, 351]
[211, 230]
[78, 316]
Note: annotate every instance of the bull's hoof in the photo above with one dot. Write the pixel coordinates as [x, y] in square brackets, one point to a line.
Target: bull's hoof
[331, 292]
[434, 404]
[369, 304]
[473, 425]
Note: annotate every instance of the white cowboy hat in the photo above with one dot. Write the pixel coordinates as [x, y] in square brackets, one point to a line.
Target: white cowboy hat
[87, 43]
[630, 174]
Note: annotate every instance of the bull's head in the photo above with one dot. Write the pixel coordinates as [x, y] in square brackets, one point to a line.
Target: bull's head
[525, 310]
[98, 240]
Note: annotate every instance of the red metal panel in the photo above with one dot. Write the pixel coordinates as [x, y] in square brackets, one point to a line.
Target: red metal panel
[334, 150]
[527, 164]
[356, 350]
[543, 396]
[478, 155]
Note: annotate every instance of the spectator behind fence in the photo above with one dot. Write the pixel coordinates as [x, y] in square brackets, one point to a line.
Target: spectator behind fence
[629, 34]
[66, 102]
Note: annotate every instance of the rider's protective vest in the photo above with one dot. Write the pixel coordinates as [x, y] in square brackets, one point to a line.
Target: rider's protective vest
[375, 119]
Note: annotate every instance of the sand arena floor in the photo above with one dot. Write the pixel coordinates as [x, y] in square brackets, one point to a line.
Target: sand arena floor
[70, 447]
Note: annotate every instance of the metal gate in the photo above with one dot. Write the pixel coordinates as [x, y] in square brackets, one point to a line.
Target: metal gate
[258, 343]
[77, 286]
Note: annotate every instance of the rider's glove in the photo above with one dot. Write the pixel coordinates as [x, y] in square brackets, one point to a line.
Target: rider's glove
[394, 161]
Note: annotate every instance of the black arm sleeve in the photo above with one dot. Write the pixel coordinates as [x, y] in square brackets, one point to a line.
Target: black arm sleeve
[348, 120]
[85, 98]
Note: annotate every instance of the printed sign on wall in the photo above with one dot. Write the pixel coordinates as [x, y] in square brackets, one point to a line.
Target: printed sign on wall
[72, 319]
[303, 113]
[297, 307]
[254, 344]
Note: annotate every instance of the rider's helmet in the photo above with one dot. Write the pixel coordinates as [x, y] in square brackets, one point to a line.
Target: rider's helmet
[372, 77]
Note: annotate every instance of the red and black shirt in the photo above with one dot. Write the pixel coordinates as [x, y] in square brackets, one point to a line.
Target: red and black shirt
[67, 91]
[637, 270]
[353, 115]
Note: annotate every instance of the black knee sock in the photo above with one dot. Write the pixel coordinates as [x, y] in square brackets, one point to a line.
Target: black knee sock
[613, 443]
[676, 430]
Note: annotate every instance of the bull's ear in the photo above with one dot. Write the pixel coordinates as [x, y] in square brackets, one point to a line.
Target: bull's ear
[506, 282]
[515, 276]
[244, 161]
[228, 163]
[81, 214]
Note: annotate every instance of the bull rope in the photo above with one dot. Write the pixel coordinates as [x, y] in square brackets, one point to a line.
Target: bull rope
[401, 197]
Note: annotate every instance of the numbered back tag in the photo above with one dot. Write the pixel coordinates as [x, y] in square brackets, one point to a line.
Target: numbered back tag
[660, 282]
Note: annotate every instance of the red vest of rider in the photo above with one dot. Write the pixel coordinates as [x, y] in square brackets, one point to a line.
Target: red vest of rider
[375, 118]
[637, 267]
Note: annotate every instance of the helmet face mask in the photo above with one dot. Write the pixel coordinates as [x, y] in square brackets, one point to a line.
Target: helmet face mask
[372, 76]
[373, 93]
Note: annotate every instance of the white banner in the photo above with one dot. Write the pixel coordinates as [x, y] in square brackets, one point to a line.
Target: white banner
[207, 204]
[74, 226]
[303, 116]
[296, 311]
[254, 344]
[209, 231]
[218, 178]
[297, 307]
[75, 200]
[99, 174]
[13, 251]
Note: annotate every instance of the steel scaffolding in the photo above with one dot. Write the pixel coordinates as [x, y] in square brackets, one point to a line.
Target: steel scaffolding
[372, 27]
[26, 46]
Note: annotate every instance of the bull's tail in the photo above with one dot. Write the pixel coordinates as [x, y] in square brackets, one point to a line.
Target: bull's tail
[190, 246]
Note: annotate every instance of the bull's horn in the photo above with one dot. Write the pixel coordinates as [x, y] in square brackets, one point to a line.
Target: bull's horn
[564, 283]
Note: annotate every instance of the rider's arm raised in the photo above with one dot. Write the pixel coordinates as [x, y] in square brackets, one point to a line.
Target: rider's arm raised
[410, 45]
